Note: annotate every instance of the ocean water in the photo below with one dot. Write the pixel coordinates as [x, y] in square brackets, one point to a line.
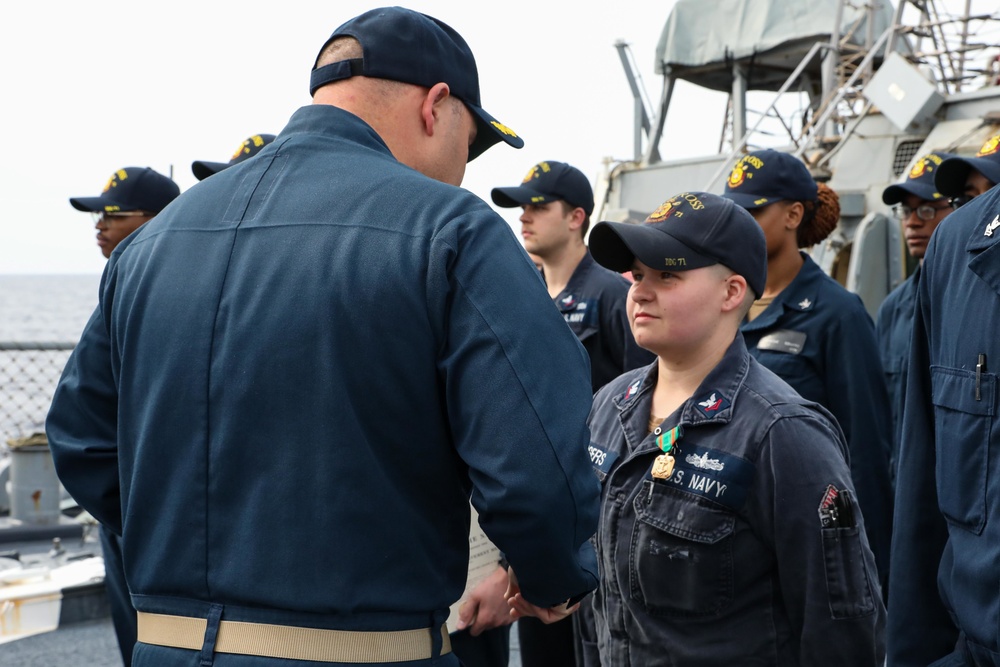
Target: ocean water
[34, 310]
[52, 308]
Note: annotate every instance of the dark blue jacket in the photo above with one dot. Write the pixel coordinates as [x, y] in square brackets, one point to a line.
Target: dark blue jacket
[300, 371]
[893, 326]
[593, 304]
[727, 562]
[945, 574]
[819, 338]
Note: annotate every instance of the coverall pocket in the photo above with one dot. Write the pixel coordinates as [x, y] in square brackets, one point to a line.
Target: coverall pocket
[797, 370]
[847, 582]
[962, 428]
[681, 561]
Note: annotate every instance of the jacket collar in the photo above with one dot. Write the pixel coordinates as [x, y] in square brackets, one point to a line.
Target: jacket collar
[712, 403]
[982, 247]
[800, 296]
[333, 122]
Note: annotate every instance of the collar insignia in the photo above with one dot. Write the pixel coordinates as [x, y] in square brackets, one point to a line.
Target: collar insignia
[712, 405]
[632, 389]
[990, 228]
[805, 304]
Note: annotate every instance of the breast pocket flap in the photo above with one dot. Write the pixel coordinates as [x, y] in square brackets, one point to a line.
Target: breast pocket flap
[683, 515]
[955, 389]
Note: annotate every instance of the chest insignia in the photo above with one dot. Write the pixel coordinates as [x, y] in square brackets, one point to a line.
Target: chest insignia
[783, 340]
[713, 474]
[578, 312]
[704, 462]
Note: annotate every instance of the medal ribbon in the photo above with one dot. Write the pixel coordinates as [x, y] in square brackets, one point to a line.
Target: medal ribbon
[668, 440]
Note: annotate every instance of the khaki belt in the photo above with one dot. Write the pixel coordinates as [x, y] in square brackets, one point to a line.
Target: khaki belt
[290, 642]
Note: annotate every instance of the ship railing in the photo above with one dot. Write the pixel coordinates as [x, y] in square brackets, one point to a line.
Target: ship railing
[29, 372]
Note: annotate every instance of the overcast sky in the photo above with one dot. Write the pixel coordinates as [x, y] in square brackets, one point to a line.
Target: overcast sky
[90, 87]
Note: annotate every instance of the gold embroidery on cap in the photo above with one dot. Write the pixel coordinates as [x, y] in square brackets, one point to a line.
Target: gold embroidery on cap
[506, 130]
[991, 146]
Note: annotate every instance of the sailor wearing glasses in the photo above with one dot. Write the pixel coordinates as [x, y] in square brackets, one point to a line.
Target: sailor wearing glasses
[131, 197]
[920, 208]
[946, 549]
[963, 178]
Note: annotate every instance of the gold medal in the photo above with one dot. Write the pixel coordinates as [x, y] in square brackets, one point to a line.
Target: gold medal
[663, 466]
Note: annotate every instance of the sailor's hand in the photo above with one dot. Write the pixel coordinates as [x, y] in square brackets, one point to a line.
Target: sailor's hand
[485, 607]
[519, 607]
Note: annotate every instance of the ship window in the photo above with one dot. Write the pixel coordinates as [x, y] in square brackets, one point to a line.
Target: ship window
[904, 154]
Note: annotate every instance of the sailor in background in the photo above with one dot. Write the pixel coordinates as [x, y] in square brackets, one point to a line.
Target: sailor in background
[812, 332]
[964, 178]
[944, 604]
[252, 145]
[920, 208]
[300, 374]
[729, 533]
[131, 197]
[557, 201]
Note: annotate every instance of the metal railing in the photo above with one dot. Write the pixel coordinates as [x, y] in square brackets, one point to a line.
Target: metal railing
[29, 372]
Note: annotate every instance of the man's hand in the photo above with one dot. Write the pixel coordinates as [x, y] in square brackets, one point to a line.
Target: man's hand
[485, 608]
[519, 607]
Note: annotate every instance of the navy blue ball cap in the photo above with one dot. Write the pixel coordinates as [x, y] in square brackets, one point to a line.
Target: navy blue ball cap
[547, 182]
[403, 45]
[766, 176]
[919, 182]
[950, 178]
[131, 189]
[250, 147]
[688, 231]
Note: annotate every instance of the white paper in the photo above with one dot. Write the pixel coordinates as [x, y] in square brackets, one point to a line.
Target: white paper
[483, 559]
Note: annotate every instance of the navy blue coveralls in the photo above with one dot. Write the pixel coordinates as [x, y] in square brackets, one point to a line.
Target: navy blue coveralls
[893, 326]
[727, 562]
[944, 591]
[819, 338]
[297, 375]
[593, 304]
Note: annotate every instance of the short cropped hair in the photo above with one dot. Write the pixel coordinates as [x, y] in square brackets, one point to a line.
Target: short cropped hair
[569, 208]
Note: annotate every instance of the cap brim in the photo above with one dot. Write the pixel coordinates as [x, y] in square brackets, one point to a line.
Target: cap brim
[203, 169]
[952, 173]
[895, 194]
[616, 246]
[90, 204]
[518, 196]
[750, 201]
[490, 131]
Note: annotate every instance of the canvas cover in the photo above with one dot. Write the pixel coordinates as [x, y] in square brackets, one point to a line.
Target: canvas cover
[702, 38]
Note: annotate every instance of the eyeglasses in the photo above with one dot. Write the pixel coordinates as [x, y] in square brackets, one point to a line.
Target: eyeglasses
[104, 216]
[960, 201]
[924, 211]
